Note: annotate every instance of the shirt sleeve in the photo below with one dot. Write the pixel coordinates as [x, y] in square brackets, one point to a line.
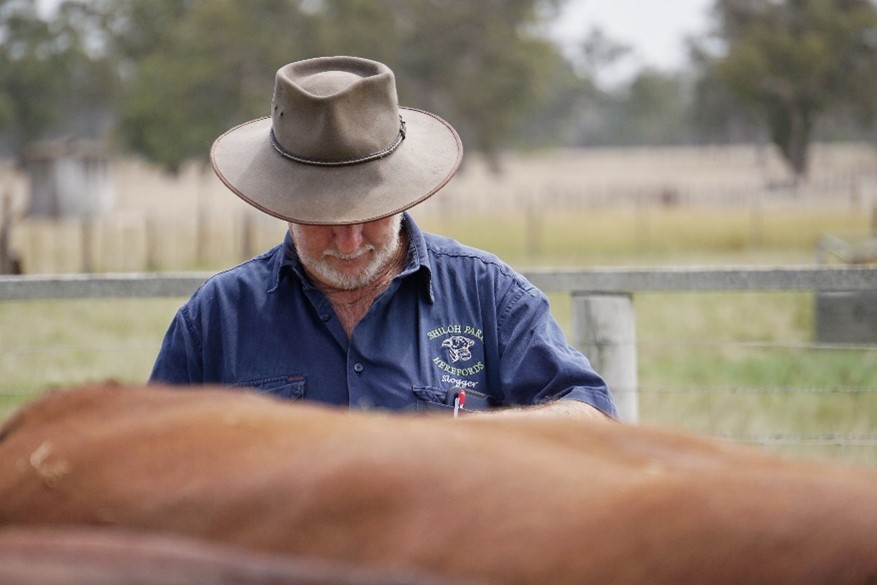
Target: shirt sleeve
[179, 360]
[538, 364]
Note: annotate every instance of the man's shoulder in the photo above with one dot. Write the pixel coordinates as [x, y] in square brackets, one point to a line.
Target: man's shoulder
[444, 247]
[257, 273]
[447, 254]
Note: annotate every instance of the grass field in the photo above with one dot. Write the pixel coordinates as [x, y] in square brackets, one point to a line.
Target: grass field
[655, 236]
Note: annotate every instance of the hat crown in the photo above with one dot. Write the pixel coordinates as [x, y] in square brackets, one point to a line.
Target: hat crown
[335, 109]
[335, 150]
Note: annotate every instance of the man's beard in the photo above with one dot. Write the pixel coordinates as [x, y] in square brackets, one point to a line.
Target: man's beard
[382, 256]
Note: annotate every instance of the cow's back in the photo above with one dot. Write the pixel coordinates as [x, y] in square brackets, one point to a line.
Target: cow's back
[516, 501]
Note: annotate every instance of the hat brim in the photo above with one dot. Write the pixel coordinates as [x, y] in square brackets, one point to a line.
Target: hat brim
[247, 163]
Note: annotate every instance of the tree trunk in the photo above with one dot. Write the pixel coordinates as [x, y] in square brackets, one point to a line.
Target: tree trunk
[791, 128]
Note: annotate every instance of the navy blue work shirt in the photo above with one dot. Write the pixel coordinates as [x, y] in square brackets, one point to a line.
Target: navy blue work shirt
[454, 318]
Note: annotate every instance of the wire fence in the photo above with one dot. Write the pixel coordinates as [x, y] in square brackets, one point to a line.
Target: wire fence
[835, 416]
[772, 439]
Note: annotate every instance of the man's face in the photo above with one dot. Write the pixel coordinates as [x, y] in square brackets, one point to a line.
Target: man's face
[347, 256]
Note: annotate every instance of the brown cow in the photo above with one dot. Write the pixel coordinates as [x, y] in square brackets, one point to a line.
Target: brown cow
[529, 501]
[95, 556]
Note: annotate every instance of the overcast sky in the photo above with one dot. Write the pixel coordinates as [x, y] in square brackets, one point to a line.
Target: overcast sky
[654, 29]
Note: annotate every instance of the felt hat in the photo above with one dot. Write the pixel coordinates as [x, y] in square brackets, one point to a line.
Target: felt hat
[337, 148]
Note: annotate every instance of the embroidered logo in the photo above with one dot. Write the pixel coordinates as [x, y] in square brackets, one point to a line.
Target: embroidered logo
[458, 345]
[458, 348]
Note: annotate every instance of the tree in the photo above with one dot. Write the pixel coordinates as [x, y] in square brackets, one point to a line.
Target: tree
[198, 67]
[485, 66]
[363, 28]
[794, 61]
[654, 110]
[49, 82]
[598, 52]
[181, 72]
[561, 117]
[717, 114]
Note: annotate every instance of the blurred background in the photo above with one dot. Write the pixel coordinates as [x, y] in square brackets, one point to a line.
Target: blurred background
[623, 133]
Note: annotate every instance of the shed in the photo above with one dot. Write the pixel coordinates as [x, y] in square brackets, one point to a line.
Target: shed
[69, 179]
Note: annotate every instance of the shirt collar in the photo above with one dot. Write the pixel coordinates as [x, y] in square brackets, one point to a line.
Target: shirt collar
[285, 260]
[416, 262]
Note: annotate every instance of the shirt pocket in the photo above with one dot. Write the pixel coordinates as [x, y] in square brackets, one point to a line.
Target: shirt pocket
[289, 387]
[431, 399]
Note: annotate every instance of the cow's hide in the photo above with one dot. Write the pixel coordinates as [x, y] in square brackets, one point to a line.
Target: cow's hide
[529, 501]
[101, 556]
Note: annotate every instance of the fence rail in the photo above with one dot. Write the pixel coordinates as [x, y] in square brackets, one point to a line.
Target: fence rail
[768, 278]
[577, 282]
[85, 286]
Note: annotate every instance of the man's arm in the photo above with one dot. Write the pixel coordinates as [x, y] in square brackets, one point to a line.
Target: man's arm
[540, 370]
[556, 408]
[177, 361]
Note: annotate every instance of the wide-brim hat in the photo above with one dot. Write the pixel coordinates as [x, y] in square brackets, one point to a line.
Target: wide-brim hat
[337, 148]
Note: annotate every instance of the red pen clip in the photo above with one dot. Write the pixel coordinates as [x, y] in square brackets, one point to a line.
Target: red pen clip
[459, 401]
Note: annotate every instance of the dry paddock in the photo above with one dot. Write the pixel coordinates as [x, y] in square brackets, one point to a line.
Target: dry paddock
[163, 222]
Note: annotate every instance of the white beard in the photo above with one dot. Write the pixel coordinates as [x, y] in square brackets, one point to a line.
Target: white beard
[351, 281]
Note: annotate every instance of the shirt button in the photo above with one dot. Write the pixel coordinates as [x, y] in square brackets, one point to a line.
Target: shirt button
[324, 318]
[358, 368]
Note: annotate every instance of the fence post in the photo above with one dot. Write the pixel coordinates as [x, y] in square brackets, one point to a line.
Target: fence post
[533, 221]
[87, 227]
[6, 256]
[248, 235]
[604, 329]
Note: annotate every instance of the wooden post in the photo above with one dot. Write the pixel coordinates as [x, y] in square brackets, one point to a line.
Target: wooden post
[642, 225]
[604, 329]
[88, 229]
[5, 235]
[756, 223]
[533, 230]
[152, 237]
[248, 235]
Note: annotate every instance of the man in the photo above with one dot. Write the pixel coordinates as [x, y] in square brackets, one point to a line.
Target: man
[358, 307]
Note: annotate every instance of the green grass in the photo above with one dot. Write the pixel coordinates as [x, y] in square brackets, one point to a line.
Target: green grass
[754, 356]
[49, 344]
[736, 364]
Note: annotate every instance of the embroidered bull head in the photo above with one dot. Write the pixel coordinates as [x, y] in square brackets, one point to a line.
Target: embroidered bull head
[458, 347]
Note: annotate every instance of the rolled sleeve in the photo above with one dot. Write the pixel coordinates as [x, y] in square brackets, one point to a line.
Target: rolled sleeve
[538, 364]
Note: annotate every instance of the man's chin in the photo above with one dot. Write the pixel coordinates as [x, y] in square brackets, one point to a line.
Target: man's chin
[347, 278]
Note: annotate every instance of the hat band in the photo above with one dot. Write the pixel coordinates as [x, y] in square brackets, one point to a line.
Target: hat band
[338, 163]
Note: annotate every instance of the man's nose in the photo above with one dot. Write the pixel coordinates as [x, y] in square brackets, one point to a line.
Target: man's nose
[348, 238]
